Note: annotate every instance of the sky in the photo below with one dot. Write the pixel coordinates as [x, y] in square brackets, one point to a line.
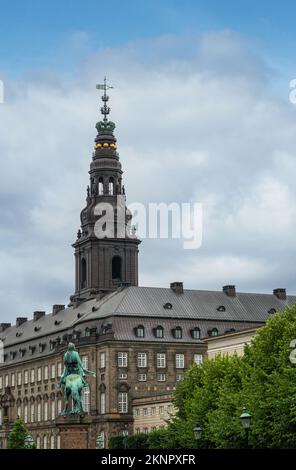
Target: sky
[202, 112]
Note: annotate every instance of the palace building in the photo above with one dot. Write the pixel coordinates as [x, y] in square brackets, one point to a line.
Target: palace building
[138, 340]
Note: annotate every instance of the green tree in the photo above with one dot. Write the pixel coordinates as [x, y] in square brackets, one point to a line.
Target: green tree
[17, 436]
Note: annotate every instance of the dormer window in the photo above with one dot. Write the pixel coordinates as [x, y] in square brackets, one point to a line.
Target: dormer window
[51, 345]
[22, 352]
[213, 332]
[221, 308]
[18, 334]
[177, 332]
[37, 328]
[195, 333]
[87, 332]
[140, 331]
[57, 322]
[159, 332]
[272, 311]
[168, 306]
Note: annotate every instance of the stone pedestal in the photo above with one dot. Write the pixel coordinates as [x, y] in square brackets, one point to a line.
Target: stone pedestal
[74, 431]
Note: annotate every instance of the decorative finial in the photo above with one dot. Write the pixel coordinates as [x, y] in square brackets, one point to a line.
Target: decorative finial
[105, 110]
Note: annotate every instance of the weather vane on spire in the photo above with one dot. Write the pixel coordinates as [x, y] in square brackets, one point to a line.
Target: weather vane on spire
[105, 110]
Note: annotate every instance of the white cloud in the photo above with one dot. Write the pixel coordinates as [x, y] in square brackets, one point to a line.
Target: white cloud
[195, 121]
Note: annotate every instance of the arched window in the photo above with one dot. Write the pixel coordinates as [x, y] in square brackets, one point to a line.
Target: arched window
[101, 186]
[39, 412]
[177, 332]
[87, 332]
[111, 186]
[83, 273]
[116, 268]
[58, 441]
[38, 442]
[25, 412]
[195, 333]
[159, 332]
[45, 411]
[213, 332]
[53, 409]
[52, 442]
[32, 412]
[140, 331]
[45, 442]
[86, 399]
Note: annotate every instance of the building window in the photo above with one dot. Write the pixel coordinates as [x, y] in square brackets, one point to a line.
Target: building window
[142, 377]
[160, 377]
[153, 410]
[32, 376]
[138, 430]
[39, 374]
[142, 360]
[45, 442]
[102, 360]
[1, 383]
[101, 186]
[159, 332]
[86, 399]
[53, 410]
[19, 411]
[161, 410]
[116, 268]
[87, 332]
[179, 377]
[145, 430]
[38, 442]
[177, 332]
[123, 402]
[111, 186]
[180, 361]
[26, 377]
[84, 360]
[103, 403]
[140, 331]
[213, 332]
[195, 333]
[83, 273]
[19, 378]
[122, 359]
[145, 411]
[52, 442]
[122, 376]
[6, 380]
[52, 371]
[45, 411]
[59, 406]
[60, 369]
[58, 442]
[38, 412]
[198, 358]
[45, 372]
[13, 379]
[161, 360]
[26, 413]
[32, 412]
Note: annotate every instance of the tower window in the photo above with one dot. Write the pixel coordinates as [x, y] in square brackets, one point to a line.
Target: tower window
[83, 273]
[111, 186]
[116, 268]
[101, 186]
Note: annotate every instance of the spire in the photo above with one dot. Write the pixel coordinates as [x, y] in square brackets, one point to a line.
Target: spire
[105, 142]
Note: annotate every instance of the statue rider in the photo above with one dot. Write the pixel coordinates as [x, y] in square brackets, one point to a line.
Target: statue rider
[73, 365]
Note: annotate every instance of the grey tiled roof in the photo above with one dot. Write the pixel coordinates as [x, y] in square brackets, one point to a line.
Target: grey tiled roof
[147, 302]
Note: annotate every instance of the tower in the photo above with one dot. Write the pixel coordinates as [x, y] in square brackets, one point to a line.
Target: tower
[106, 249]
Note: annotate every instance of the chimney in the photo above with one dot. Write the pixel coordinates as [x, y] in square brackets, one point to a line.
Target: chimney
[229, 290]
[4, 326]
[38, 315]
[177, 287]
[57, 308]
[280, 293]
[21, 320]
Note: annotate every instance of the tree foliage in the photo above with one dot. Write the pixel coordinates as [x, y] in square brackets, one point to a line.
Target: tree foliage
[263, 380]
[17, 436]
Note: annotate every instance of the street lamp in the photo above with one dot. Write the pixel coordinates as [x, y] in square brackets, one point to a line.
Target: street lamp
[245, 418]
[29, 442]
[197, 432]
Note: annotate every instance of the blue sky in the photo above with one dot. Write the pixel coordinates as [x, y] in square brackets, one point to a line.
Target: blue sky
[38, 34]
[202, 112]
